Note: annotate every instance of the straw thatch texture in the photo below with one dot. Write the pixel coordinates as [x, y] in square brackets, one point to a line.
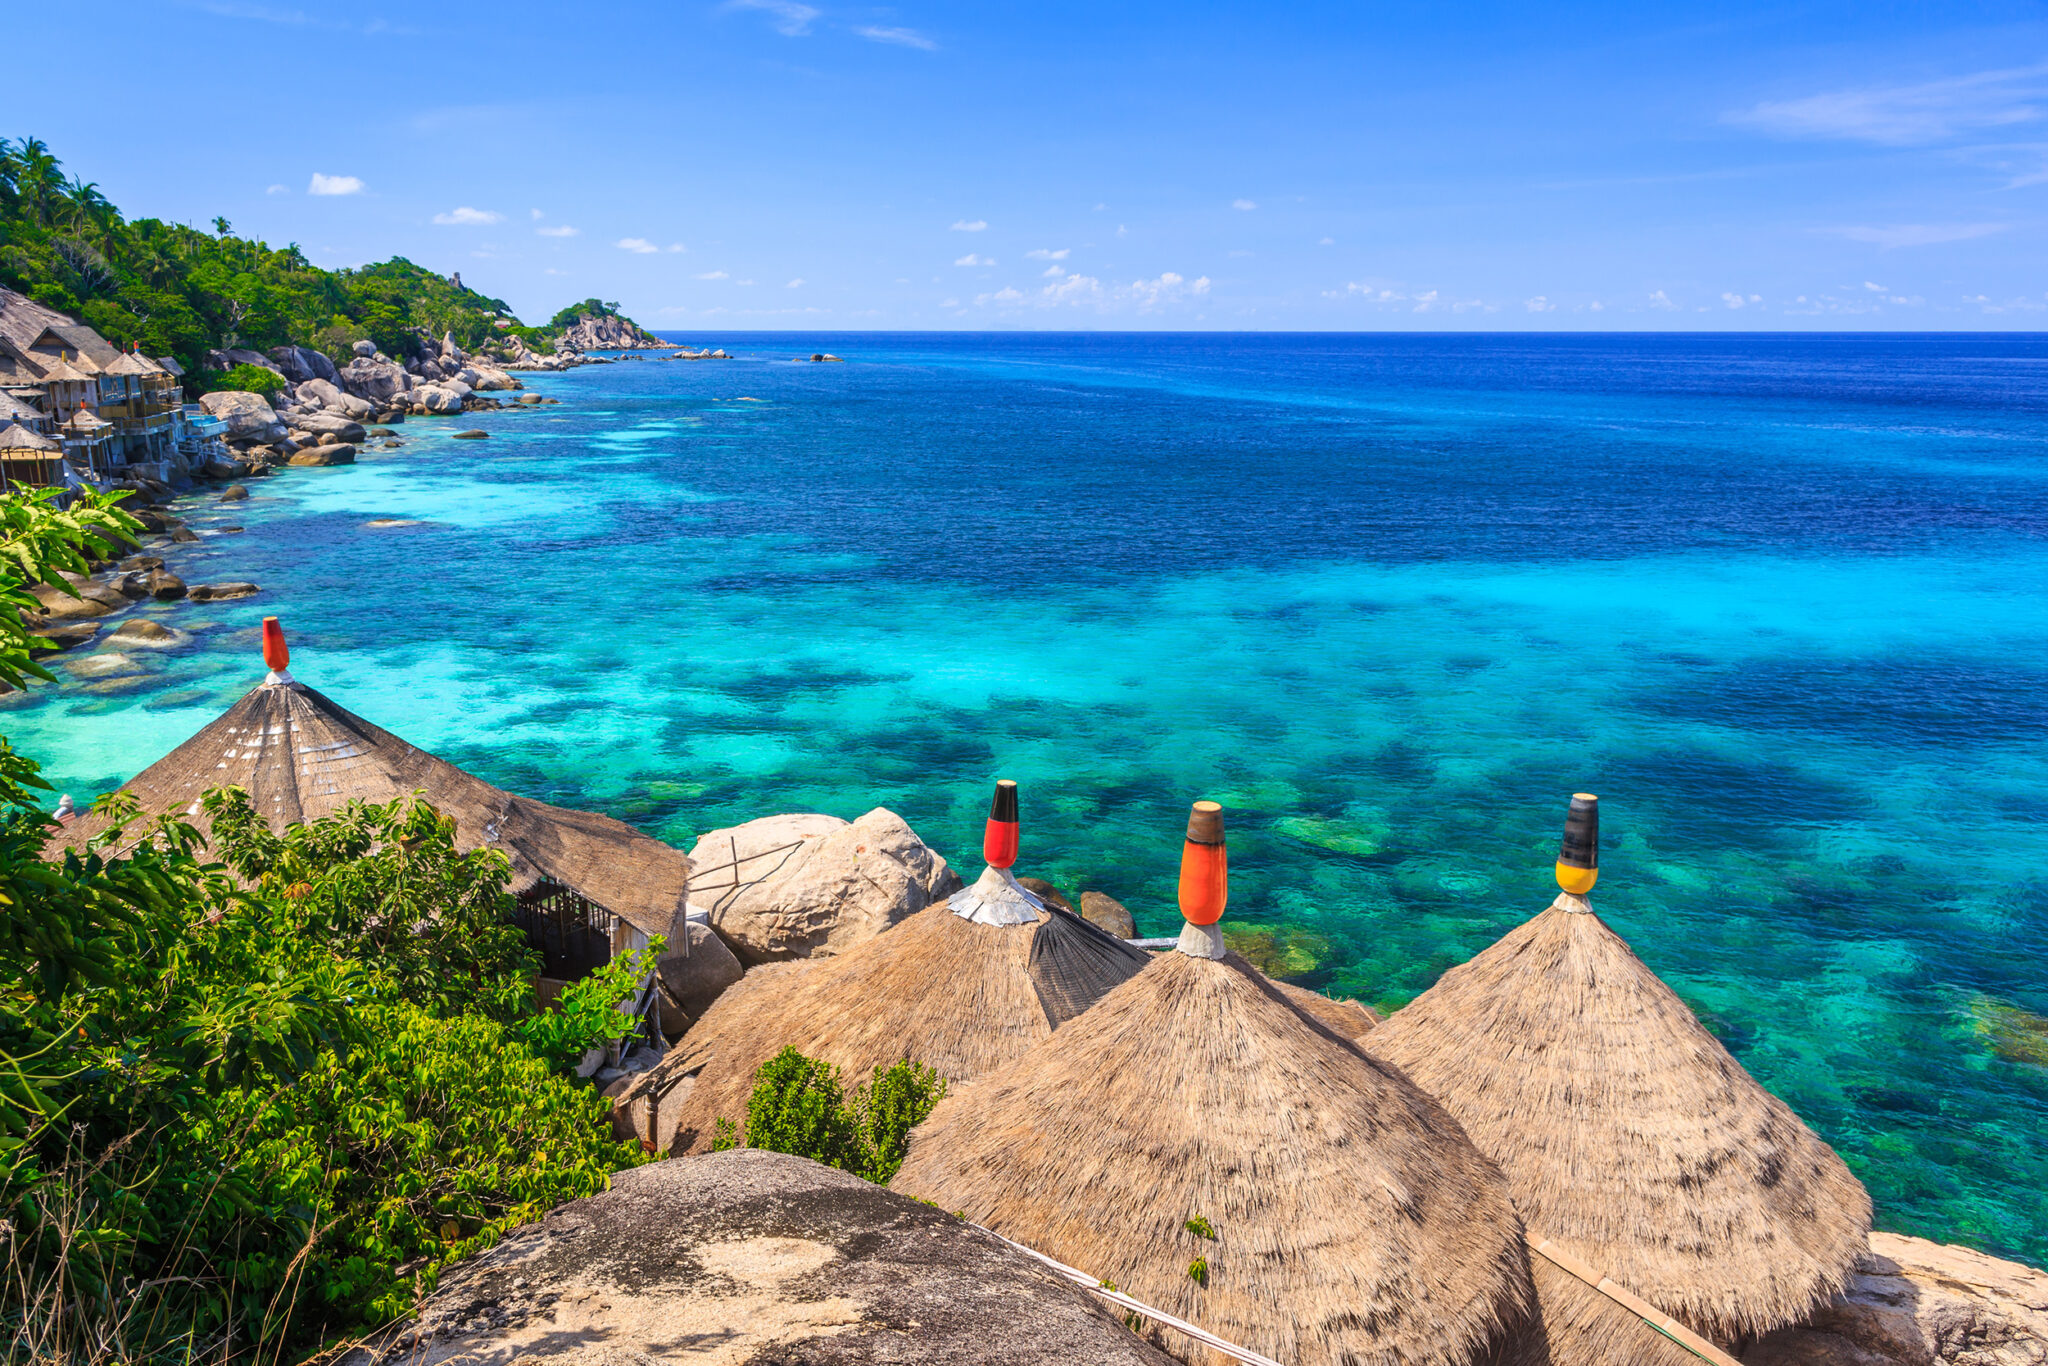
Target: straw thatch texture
[1075, 964]
[302, 756]
[1576, 1325]
[953, 995]
[1627, 1132]
[1354, 1222]
[1349, 1018]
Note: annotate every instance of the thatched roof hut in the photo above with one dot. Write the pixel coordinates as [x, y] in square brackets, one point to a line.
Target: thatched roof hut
[1352, 1220]
[961, 987]
[301, 755]
[1630, 1137]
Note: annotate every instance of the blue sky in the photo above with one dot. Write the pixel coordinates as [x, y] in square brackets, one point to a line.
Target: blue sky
[823, 165]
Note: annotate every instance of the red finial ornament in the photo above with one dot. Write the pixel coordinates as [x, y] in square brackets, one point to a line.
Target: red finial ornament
[999, 841]
[275, 652]
[1204, 866]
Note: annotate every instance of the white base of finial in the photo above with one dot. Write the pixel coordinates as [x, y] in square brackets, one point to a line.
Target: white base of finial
[1573, 902]
[1202, 941]
[279, 678]
[996, 899]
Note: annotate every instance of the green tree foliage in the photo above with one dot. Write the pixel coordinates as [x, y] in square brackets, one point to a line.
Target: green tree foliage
[40, 541]
[179, 291]
[800, 1106]
[255, 379]
[589, 308]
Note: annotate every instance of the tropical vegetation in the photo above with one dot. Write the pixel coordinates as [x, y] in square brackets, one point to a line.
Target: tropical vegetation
[256, 1089]
[799, 1105]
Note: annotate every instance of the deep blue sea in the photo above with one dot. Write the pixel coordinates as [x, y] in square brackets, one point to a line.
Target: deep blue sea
[1391, 599]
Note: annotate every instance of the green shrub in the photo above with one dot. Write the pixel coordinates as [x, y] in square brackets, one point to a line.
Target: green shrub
[1201, 1228]
[254, 379]
[799, 1106]
[1198, 1271]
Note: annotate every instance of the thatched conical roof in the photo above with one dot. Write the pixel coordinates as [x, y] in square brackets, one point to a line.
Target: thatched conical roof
[1628, 1134]
[953, 994]
[19, 441]
[1354, 1222]
[1349, 1018]
[301, 755]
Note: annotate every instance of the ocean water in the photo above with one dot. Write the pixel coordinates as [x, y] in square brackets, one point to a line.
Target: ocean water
[1778, 600]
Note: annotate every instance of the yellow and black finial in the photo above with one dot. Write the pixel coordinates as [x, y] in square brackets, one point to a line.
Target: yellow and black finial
[1578, 858]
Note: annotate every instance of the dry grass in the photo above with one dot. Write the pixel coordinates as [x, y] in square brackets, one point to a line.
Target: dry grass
[1354, 1222]
[1627, 1132]
[302, 756]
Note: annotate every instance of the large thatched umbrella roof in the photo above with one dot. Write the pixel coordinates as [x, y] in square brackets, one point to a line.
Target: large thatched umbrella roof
[301, 755]
[1354, 1222]
[945, 991]
[1630, 1137]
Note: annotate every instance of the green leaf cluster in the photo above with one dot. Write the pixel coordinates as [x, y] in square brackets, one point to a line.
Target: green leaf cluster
[254, 379]
[800, 1106]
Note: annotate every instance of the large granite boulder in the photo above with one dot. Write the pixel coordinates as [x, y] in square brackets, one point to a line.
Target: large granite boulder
[249, 416]
[435, 398]
[804, 886]
[334, 400]
[1104, 911]
[301, 363]
[756, 1257]
[1916, 1303]
[698, 968]
[381, 382]
[340, 453]
[335, 425]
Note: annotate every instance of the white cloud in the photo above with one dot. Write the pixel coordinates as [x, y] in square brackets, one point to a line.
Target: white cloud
[791, 20]
[1100, 207]
[466, 217]
[334, 184]
[1054, 272]
[277, 189]
[1166, 288]
[1327, 242]
[970, 259]
[1597, 306]
[558, 230]
[1907, 115]
[743, 282]
[1919, 234]
[949, 303]
[1005, 295]
[1732, 300]
[1874, 289]
[797, 283]
[1244, 204]
[714, 275]
[537, 215]
[1046, 254]
[1121, 230]
[1659, 299]
[978, 225]
[902, 37]
[675, 246]
[639, 245]
[1539, 304]
[552, 271]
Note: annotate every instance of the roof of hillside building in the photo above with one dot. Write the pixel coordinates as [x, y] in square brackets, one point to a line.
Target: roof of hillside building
[130, 363]
[300, 756]
[14, 438]
[86, 421]
[77, 343]
[1630, 1137]
[170, 365]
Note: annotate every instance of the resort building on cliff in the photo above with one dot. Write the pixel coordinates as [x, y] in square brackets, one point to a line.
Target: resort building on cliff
[114, 413]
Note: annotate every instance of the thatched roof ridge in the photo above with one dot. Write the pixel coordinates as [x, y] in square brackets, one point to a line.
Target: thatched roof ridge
[301, 755]
[128, 363]
[1629, 1135]
[1354, 1221]
[1349, 1018]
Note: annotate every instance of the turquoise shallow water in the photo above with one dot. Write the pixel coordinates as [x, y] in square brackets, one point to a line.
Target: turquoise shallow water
[1778, 600]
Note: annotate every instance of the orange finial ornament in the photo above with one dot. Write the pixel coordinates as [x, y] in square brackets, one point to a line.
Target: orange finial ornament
[1204, 881]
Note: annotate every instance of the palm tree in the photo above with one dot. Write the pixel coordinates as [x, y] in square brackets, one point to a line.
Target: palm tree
[38, 180]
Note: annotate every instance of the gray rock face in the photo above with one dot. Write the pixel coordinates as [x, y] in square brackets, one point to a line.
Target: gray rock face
[378, 381]
[165, 586]
[756, 1257]
[220, 592]
[364, 348]
[301, 363]
[341, 453]
[1106, 912]
[604, 334]
[340, 428]
[695, 974]
[336, 401]
[249, 416]
[1916, 1303]
[802, 886]
[435, 398]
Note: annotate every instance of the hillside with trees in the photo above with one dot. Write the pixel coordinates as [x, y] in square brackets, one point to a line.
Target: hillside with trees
[180, 291]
